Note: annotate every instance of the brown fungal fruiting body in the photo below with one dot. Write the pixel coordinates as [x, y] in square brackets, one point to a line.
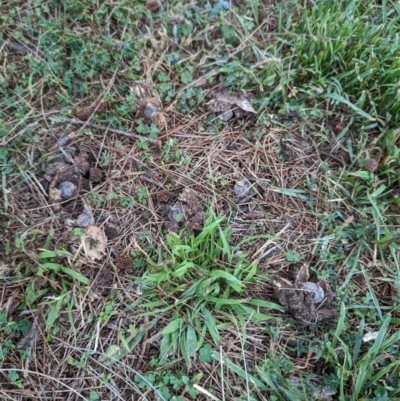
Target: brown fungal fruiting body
[226, 104]
[95, 174]
[124, 262]
[83, 114]
[308, 302]
[371, 165]
[148, 103]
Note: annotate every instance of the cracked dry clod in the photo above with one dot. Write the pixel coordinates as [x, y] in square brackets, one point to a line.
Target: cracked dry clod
[308, 302]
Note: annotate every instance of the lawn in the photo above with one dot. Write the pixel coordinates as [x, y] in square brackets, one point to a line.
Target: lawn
[200, 200]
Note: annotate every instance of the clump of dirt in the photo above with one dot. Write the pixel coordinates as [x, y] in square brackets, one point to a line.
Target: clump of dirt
[104, 280]
[111, 232]
[308, 302]
[163, 195]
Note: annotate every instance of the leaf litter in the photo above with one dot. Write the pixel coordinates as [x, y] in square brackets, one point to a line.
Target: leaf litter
[95, 242]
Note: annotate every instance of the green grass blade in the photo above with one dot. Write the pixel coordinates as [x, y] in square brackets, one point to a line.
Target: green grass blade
[342, 100]
[238, 370]
[357, 344]
[365, 365]
[340, 325]
[76, 275]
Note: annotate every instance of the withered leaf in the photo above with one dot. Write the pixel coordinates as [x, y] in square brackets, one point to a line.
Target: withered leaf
[95, 242]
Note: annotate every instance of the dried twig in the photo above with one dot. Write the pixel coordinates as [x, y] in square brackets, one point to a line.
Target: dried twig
[151, 181]
[113, 130]
[270, 241]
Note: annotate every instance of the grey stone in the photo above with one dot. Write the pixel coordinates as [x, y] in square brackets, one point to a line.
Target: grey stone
[68, 190]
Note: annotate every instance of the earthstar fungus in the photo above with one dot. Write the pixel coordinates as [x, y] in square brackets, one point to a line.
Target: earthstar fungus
[308, 302]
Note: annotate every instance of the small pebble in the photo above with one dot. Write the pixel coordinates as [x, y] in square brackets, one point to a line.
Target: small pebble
[177, 214]
[242, 188]
[319, 293]
[150, 111]
[68, 190]
[225, 115]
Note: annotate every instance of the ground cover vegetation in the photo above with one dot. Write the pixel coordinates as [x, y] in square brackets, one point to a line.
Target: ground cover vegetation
[200, 200]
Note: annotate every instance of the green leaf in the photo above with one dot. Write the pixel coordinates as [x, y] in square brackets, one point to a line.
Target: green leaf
[33, 295]
[365, 366]
[359, 337]
[173, 326]
[211, 325]
[205, 353]
[53, 254]
[112, 355]
[295, 193]
[226, 247]
[184, 351]
[365, 175]
[372, 293]
[52, 266]
[165, 347]
[292, 256]
[379, 191]
[76, 275]
[252, 271]
[340, 324]
[47, 254]
[52, 316]
[266, 304]
[191, 341]
[223, 301]
[184, 267]
[235, 283]
[207, 230]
